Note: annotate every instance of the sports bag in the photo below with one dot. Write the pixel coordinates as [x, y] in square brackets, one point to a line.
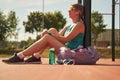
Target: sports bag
[80, 55]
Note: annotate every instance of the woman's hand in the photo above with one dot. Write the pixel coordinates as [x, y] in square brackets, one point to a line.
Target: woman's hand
[45, 31]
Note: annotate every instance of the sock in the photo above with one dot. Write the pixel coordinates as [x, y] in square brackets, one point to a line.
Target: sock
[20, 55]
[37, 55]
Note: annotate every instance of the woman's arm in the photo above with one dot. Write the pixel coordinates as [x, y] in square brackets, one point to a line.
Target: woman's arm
[79, 28]
[63, 31]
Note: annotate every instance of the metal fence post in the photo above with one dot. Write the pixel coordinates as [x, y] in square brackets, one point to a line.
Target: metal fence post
[113, 30]
[87, 19]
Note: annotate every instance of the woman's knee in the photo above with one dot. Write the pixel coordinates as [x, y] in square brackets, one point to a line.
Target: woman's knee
[52, 30]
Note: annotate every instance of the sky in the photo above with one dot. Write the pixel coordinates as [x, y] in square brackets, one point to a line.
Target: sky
[24, 7]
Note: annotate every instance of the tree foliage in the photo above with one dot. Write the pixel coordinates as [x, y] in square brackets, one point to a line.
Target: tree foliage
[97, 25]
[12, 24]
[34, 22]
[37, 20]
[55, 20]
[8, 25]
[3, 24]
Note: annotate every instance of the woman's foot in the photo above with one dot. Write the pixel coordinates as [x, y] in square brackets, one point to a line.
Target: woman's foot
[13, 59]
[33, 59]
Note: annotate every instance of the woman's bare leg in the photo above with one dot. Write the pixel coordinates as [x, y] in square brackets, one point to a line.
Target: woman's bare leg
[37, 54]
[47, 40]
[51, 30]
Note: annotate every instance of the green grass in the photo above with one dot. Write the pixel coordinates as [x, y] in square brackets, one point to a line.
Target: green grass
[45, 54]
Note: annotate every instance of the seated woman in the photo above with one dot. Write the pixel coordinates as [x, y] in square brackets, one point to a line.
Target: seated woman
[70, 37]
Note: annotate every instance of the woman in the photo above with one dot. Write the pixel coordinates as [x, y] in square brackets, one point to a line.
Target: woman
[70, 37]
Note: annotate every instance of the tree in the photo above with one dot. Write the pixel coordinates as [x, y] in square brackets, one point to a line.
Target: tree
[8, 25]
[61, 21]
[55, 20]
[12, 24]
[3, 24]
[35, 21]
[97, 25]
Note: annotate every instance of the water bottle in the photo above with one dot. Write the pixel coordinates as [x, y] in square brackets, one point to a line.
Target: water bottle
[52, 56]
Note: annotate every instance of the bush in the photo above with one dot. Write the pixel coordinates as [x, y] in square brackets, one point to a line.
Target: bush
[8, 51]
[107, 53]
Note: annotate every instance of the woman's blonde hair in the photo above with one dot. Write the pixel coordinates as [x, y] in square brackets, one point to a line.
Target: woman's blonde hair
[79, 7]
